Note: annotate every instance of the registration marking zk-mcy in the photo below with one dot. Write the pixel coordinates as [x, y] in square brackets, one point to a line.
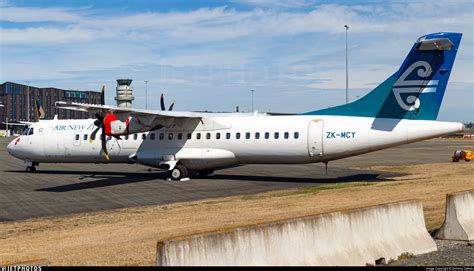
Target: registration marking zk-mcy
[340, 134]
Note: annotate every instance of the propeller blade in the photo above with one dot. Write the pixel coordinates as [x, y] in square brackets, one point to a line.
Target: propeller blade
[99, 118]
[102, 95]
[104, 146]
[92, 137]
[162, 102]
[171, 106]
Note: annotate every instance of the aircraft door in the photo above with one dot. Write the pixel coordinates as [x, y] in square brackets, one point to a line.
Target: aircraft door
[315, 138]
[77, 138]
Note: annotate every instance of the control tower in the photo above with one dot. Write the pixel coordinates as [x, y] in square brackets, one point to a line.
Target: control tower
[124, 96]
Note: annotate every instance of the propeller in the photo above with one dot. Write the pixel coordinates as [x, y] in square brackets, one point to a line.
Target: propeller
[102, 95]
[99, 122]
[162, 104]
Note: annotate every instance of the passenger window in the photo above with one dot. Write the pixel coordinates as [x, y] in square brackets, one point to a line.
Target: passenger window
[143, 136]
[237, 136]
[247, 135]
[85, 137]
[218, 135]
[77, 137]
[170, 136]
[257, 135]
[135, 136]
[152, 137]
[297, 135]
[161, 136]
[208, 136]
[287, 135]
[92, 137]
[198, 136]
[267, 135]
[189, 135]
[126, 137]
[180, 136]
[227, 136]
[277, 135]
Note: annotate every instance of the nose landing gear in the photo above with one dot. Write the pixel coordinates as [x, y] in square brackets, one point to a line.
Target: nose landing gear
[31, 166]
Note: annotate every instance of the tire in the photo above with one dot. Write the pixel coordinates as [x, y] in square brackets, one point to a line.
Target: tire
[30, 169]
[178, 172]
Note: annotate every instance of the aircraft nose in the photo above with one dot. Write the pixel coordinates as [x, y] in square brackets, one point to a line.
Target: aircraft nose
[11, 147]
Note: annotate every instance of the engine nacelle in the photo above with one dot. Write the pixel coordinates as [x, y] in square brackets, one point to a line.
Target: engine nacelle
[115, 127]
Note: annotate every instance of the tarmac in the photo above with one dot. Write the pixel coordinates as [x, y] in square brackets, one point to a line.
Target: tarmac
[61, 189]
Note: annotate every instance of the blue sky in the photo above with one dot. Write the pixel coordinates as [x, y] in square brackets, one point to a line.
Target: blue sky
[208, 54]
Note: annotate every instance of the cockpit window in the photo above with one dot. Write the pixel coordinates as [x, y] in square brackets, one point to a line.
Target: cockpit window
[28, 131]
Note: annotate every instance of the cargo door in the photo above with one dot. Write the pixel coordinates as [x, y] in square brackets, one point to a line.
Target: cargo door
[315, 138]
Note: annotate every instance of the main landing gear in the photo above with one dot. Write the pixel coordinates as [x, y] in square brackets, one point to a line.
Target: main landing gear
[31, 166]
[179, 172]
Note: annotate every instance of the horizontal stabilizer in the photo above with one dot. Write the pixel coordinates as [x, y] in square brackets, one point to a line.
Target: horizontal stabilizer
[434, 44]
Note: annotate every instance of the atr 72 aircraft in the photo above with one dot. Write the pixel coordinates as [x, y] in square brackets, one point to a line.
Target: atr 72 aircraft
[401, 110]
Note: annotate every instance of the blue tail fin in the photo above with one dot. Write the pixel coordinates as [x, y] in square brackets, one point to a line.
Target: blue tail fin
[416, 90]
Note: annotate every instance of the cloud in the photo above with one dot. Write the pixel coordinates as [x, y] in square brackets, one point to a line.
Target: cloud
[223, 24]
[277, 4]
[17, 14]
[46, 35]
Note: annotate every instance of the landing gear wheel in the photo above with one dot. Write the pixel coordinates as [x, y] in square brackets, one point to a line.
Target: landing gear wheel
[31, 169]
[179, 172]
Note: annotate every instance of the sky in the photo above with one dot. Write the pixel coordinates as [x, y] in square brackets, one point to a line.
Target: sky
[208, 55]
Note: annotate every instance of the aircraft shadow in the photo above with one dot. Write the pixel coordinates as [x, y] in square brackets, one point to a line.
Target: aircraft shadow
[102, 179]
[365, 177]
[106, 179]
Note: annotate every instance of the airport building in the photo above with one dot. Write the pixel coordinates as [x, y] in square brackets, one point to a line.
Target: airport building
[16, 107]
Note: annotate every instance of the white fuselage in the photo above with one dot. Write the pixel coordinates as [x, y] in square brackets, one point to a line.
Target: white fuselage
[238, 139]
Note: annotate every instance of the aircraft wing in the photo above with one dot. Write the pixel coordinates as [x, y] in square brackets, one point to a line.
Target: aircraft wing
[20, 123]
[150, 118]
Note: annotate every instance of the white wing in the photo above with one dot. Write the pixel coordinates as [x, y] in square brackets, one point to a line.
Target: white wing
[150, 118]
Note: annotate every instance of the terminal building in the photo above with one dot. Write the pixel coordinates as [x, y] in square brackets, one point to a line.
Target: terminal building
[16, 107]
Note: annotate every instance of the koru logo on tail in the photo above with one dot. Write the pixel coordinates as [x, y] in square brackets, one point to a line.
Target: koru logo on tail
[403, 86]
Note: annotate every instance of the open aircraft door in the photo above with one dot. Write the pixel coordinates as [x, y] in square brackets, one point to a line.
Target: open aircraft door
[315, 137]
